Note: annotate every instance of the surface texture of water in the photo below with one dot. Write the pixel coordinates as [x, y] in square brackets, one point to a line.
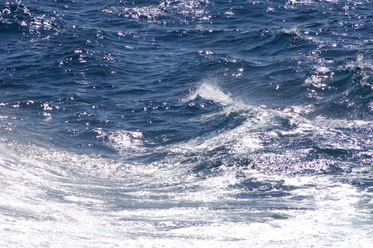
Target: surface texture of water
[186, 123]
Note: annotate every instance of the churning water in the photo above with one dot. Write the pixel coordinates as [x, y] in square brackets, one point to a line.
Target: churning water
[186, 123]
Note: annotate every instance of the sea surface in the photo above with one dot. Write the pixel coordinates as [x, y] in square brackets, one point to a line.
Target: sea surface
[186, 123]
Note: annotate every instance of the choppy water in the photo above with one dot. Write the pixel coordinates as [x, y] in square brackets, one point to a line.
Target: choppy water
[186, 123]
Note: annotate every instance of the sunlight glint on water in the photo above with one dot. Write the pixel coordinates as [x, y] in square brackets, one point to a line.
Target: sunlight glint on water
[186, 124]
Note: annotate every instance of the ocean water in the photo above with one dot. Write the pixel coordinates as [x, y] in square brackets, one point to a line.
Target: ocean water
[186, 123]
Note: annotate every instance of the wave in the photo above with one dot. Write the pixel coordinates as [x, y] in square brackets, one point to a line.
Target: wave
[240, 118]
[100, 199]
[186, 9]
[34, 22]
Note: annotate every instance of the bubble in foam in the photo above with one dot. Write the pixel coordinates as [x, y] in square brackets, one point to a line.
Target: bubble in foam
[210, 91]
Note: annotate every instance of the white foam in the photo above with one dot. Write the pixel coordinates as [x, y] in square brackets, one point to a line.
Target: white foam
[128, 143]
[364, 65]
[210, 91]
[189, 8]
[291, 31]
[292, 3]
[65, 199]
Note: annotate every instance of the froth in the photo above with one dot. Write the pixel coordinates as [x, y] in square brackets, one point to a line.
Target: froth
[210, 91]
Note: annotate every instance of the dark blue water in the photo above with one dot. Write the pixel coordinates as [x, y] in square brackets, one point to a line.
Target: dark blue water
[186, 123]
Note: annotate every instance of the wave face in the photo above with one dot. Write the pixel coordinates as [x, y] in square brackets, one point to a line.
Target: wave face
[186, 123]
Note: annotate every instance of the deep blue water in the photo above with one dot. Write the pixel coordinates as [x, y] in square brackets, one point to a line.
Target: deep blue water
[186, 123]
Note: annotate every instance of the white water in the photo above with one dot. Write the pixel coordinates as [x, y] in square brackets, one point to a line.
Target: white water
[52, 198]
